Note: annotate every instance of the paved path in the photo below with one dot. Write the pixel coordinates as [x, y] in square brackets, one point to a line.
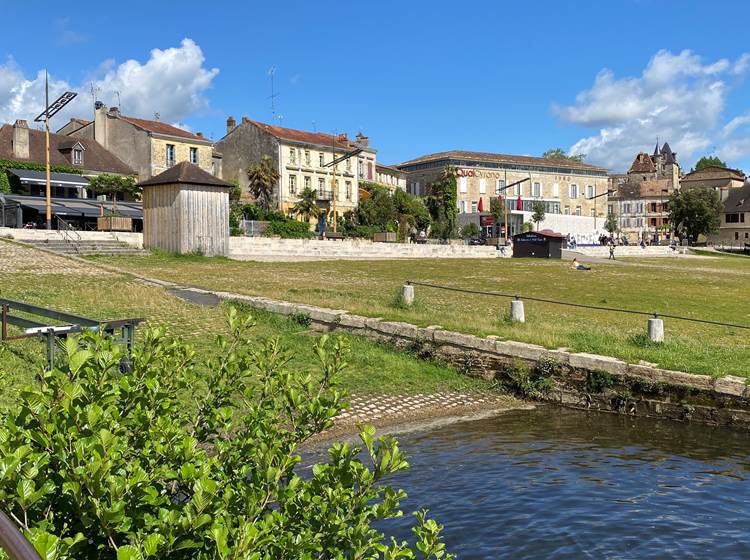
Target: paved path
[15, 258]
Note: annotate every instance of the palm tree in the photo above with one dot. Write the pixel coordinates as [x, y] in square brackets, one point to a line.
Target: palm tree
[263, 178]
[307, 206]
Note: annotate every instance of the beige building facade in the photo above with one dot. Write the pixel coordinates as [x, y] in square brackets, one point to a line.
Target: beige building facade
[567, 188]
[303, 160]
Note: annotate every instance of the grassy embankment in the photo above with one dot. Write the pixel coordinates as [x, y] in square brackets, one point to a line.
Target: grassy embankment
[709, 288]
[373, 369]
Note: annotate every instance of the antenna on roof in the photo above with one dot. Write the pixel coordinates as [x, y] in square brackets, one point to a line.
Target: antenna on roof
[94, 90]
[117, 93]
[315, 128]
[273, 96]
[156, 116]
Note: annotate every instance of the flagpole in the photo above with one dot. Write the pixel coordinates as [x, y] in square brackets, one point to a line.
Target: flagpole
[46, 143]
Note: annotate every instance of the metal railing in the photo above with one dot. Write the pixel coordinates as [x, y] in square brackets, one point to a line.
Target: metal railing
[13, 542]
[69, 233]
[579, 305]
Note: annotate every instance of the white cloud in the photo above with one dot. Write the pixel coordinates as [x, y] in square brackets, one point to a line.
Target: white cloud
[678, 98]
[172, 82]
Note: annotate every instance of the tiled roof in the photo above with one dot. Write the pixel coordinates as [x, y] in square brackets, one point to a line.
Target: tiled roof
[316, 138]
[642, 164]
[388, 167]
[501, 158]
[185, 172]
[162, 128]
[655, 187]
[714, 172]
[95, 158]
[738, 200]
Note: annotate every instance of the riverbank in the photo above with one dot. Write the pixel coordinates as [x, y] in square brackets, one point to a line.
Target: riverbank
[370, 288]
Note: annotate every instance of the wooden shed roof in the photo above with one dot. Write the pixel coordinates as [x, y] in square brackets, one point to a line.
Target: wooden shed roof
[185, 173]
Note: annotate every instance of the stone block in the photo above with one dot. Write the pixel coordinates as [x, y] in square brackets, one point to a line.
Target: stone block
[657, 375]
[396, 328]
[519, 350]
[352, 321]
[595, 362]
[456, 339]
[730, 385]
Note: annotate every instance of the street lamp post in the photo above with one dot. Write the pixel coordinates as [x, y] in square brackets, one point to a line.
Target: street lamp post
[334, 163]
[50, 111]
[505, 188]
[607, 193]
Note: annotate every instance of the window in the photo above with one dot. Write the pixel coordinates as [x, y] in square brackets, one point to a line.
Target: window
[361, 169]
[518, 189]
[639, 208]
[474, 206]
[292, 156]
[590, 191]
[499, 186]
[573, 191]
[194, 156]
[482, 186]
[308, 182]
[170, 155]
[610, 209]
[463, 184]
[292, 184]
[555, 190]
[369, 171]
[321, 159]
[349, 164]
[321, 185]
[77, 156]
[348, 190]
[567, 210]
[462, 206]
[307, 157]
[593, 213]
[736, 235]
[417, 188]
[536, 190]
[747, 235]
[578, 210]
[735, 218]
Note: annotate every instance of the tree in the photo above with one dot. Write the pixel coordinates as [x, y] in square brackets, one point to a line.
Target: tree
[538, 216]
[694, 212]
[708, 161]
[443, 202]
[470, 230]
[109, 462]
[263, 178]
[235, 192]
[307, 205]
[559, 153]
[114, 185]
[610, 223]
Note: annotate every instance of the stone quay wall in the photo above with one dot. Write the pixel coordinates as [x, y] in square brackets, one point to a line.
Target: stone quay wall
[579, 380]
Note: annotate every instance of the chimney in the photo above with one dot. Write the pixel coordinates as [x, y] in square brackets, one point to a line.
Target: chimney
[114, 111]
[100, 124]
[362, 140]
[343, 138]
[98, 105]
[199, 134]
[245, 120]
[21, 139]
[231, 124]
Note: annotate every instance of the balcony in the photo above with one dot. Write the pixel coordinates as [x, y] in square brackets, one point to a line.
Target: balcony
[324, 195]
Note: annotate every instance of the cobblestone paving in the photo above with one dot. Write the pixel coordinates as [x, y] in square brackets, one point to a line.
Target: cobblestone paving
[17, 258]
[396, 407]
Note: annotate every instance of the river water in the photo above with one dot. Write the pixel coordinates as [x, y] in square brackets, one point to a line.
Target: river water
[553, 483]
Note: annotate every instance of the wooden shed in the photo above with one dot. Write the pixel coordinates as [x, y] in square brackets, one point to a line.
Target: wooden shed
[186, 210]
[545, 244]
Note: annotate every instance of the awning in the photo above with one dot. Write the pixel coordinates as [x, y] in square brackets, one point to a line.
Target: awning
[76, 207]
[33, 177]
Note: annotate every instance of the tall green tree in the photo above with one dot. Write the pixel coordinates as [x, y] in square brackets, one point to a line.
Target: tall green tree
[103, 462]
[115, 185]
[307, 205]
[443, 203]
[708, 161]
[263, 180]
[610, 224]
[538, 209]
[559, 153]
[694, 212]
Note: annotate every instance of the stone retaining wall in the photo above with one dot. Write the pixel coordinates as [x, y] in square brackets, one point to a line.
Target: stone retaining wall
[31, 235]
[579, 380]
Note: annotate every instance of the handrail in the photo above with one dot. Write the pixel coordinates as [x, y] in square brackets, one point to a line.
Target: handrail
[13, 542]
[68, 232]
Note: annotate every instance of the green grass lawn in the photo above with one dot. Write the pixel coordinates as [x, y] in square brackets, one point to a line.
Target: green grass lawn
[708, 288]
[373, 369]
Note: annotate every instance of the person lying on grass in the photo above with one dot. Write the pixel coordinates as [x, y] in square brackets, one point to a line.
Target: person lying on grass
[575, 265]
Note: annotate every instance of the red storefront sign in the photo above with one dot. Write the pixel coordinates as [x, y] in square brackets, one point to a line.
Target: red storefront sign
[485, 221]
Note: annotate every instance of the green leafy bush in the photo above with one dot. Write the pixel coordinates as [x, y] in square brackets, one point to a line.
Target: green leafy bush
[288, 229]
[95, 463]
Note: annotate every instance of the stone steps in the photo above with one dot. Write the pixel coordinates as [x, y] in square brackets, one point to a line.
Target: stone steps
[104, 247]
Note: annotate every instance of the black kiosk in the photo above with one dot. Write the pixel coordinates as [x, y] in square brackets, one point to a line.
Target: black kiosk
[545, 244]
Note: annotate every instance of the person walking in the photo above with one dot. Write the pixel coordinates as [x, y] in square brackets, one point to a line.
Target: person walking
[611, 250]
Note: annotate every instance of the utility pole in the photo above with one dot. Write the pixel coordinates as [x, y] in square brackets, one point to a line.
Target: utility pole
[606, 193]
[48, 186]
[333, 181]
[505, 204]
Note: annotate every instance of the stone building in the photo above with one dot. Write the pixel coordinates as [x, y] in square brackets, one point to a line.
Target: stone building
[734, 228]
[149, 147]
[640, 196]
[567, 188]
[390, 177]
[302, 159]
[721, 179]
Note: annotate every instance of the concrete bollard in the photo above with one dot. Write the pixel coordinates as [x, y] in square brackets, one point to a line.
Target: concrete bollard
[656, 330]
[517, 314]
[407, 294]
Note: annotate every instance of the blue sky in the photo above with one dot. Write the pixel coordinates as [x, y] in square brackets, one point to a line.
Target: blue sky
[601, 77]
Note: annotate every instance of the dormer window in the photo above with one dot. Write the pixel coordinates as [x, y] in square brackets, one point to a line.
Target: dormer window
[77, 156]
